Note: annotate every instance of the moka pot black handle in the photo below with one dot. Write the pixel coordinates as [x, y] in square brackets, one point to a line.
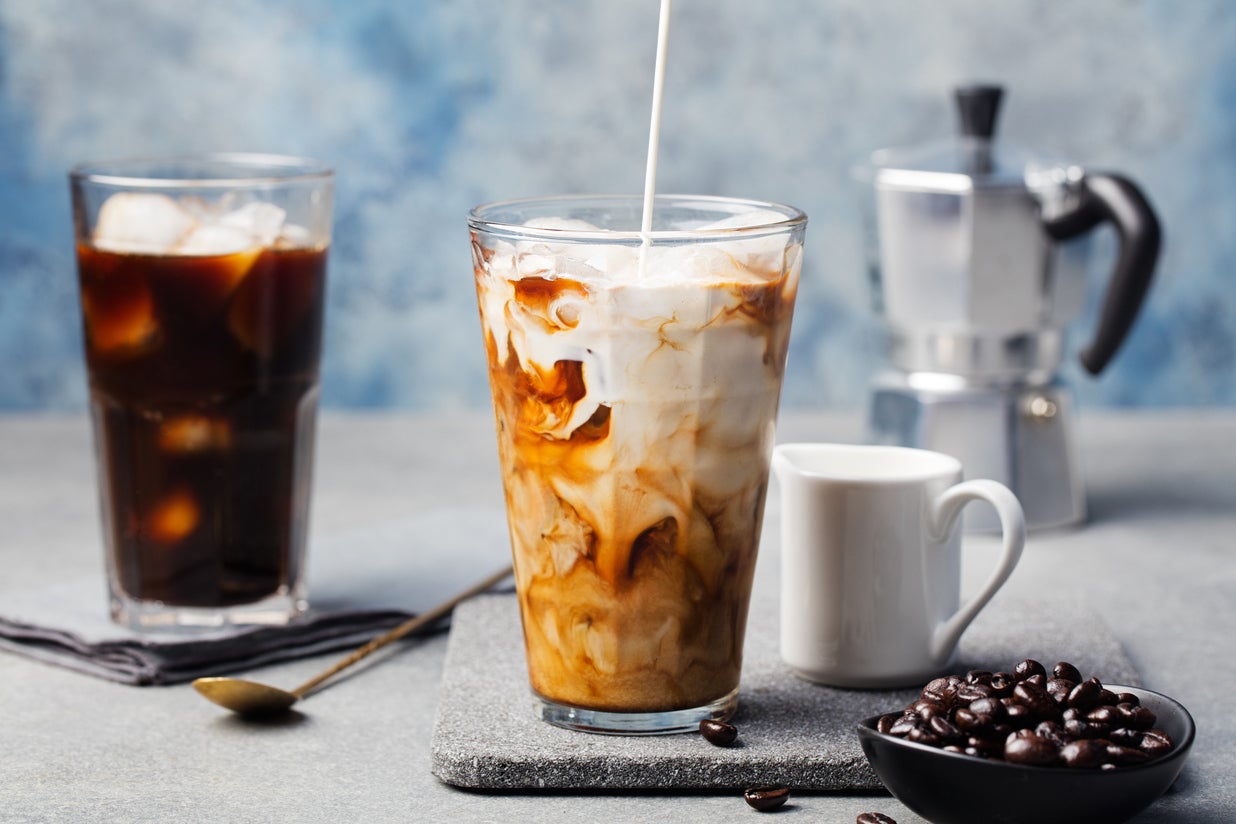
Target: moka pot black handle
[1115, 199]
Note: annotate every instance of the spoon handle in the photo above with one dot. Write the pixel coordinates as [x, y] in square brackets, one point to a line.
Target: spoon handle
[408, 626]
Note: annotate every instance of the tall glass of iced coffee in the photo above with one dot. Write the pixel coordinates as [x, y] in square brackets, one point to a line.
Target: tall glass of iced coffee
[202, 291]
[635, 379]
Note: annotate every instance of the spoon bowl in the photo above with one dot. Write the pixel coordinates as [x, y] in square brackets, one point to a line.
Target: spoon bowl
[243, 697]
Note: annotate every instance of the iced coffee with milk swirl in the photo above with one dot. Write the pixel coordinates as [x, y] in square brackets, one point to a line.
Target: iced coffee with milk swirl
[635, 384]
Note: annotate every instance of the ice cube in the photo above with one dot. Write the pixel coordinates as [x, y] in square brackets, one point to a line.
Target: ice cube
[270, 304]
[141, 222]
[263, 222]
[252, 226]
[292, 236]
[216, 239]
[188, 434]
[120, 315]
[173, 517]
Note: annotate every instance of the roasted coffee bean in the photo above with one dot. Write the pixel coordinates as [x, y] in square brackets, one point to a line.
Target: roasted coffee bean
[766, 798]
[1028, 668]
[927, 709]
[1123, 756]
[988, 746]
[990, 707]
[1105, 717]
[950, 691]
[1126, 737]
[1107, 698]
[1034, 698]
[1075, 728]
[873, 818]
[973, 692]
[1142, 718]
[944, 728]
[1053, 732]
[718, 733]
[1155, 743]
[920, 735]
[1128, 698]
[1028, 747]
[1067, 671]
[884, 725]
[1083, 754]
[1019, 715]
[935, 689]
[1085, 695]
[977, 676]
[1002, 684]
[1038, 680]
[904, 724]
[970, 721]
[1059, 689]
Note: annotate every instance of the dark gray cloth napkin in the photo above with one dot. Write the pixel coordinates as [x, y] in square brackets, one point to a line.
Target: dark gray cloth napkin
[143, 661]
[361, 583]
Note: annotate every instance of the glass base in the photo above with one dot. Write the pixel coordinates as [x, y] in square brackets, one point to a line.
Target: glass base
[635, 723]
[156, 616]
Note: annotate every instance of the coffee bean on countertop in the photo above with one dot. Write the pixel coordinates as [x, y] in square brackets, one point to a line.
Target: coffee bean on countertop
[718, 733]
[874, 818]
[766, 798]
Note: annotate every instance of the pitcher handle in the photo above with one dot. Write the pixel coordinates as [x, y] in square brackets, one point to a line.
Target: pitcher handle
[944, 513]
[1118, 200]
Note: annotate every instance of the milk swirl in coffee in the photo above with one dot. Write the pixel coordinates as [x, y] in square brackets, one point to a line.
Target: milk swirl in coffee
[635, 415]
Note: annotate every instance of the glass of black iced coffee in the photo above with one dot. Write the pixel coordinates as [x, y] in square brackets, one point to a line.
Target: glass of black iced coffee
[202, 291]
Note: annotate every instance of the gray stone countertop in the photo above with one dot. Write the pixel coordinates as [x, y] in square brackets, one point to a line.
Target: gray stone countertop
[1157, 560]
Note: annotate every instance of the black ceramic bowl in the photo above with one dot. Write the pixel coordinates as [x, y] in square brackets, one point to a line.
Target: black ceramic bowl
[951, 788]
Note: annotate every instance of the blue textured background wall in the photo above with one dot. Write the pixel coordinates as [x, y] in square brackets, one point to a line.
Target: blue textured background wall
[428, 107]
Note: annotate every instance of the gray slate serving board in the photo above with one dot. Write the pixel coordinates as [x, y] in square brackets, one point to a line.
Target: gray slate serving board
[486, 735]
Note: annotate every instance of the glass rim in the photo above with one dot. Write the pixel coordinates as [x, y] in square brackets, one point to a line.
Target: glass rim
[792, 218]
[268, 170]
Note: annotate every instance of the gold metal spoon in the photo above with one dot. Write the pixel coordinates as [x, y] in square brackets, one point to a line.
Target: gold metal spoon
[253, 699]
